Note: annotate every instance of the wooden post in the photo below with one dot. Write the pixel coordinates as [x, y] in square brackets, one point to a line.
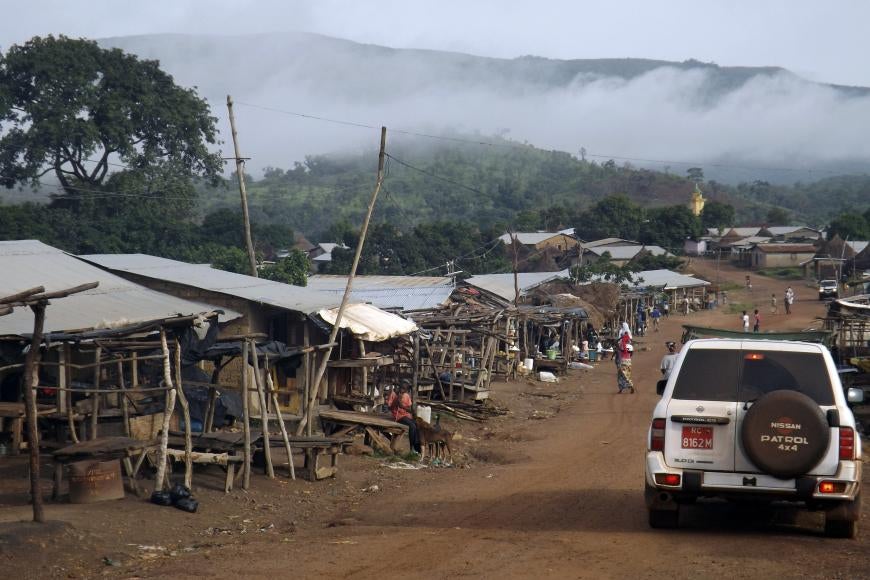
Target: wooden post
[185, 410]
[321, 370]
[264, 414]
[67, 357]
[31, 382]
[125, 408]
[365, 371]
[240, 173]
[415, 369]
[274, 395]
[464, 370]
[95, 398]
[208, 423]
[246, 424]
[61, 380]
[167, 413]
[306, 375]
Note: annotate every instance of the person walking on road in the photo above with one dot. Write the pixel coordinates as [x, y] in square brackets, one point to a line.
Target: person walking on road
[773, 308]
[655, 315]
[745, 319]
[669, 359]
[623, 360]
[757, 326]
[788, 300]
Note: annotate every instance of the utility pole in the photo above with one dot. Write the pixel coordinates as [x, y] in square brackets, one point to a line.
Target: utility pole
[321, 370]
[240, 173]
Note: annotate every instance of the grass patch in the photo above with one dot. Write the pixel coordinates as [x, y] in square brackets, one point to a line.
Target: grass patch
[782, 273]
[730, 286]
[739, 307]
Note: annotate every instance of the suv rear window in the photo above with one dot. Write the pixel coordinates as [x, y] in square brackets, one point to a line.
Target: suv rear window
[708, 375]
[766, 371]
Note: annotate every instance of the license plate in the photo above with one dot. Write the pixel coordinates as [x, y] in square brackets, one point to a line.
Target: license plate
[697, 437]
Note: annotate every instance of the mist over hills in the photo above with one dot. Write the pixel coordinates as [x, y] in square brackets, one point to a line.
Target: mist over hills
[741, 123]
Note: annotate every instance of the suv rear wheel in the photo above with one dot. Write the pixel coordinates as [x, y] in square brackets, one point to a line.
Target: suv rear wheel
[842, 520]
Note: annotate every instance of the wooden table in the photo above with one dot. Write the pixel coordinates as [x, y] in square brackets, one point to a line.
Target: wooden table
[15, 414]
[376, 427]
[102, 449]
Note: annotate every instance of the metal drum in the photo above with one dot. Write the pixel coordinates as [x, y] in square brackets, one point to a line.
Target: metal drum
[93, 481]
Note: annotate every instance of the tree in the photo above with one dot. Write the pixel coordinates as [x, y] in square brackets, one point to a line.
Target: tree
[850, 226]
[291, 270]
[613, 216]
[695, 174]
[717, 215]
[603, 269]
[669, 226]
[70, 107]
[777, 216]
[230, 259]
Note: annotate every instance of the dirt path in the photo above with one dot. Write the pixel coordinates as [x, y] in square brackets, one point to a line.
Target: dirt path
[568, 505]
[554, 490]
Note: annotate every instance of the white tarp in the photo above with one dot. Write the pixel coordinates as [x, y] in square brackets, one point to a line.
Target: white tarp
[370, 322]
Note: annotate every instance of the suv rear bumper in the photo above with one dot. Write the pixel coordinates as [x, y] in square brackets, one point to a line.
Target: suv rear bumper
[745, 485]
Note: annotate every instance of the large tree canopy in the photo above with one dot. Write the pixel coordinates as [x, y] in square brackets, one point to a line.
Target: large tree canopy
[70, 107]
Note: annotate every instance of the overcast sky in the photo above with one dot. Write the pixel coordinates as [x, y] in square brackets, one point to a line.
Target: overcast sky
[823, 41]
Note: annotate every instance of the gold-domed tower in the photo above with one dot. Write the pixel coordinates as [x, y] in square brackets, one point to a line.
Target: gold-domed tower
[698, 201]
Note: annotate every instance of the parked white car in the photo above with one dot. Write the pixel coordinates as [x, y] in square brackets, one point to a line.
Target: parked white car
[757, 420]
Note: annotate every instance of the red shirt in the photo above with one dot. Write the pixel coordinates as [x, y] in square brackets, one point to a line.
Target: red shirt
[399, 407]
[623, 346]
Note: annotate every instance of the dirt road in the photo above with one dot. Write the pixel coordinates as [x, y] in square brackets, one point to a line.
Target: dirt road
[554, 490]
[564, 502]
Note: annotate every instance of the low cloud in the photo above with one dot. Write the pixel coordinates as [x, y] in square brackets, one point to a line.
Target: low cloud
[672, 114]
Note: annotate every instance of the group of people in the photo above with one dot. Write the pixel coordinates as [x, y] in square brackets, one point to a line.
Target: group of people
[788, 300]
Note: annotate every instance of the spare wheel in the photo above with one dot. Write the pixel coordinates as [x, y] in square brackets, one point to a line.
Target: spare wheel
[785, 434]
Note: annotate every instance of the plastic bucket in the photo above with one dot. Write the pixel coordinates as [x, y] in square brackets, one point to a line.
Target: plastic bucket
[551, 354]
[593, 355]
[529, 363]
[425, 413]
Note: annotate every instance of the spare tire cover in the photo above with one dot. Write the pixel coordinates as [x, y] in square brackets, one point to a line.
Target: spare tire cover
[785, 434]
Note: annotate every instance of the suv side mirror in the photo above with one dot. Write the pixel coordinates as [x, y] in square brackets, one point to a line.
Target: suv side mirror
[660, 387]
[855, 395]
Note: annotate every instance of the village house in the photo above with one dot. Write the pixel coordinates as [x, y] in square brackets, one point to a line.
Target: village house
[774, 255]
[321, 255]
[541, 240]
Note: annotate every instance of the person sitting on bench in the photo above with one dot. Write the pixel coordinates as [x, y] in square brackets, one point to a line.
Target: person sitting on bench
[400, 407]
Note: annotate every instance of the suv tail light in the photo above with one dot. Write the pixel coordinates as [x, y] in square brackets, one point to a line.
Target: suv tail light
[657, 436]
[847, 443]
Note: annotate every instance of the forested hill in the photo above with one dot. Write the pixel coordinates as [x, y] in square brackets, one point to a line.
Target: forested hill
[505, 183]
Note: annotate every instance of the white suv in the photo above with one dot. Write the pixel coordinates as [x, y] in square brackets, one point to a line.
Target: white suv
[755, 420]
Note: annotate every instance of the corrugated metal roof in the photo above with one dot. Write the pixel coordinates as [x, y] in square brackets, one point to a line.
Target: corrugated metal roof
[608, 242]
[857, 246]
[404, 292]
[203, 276]
[783, 230]
[502, 285]
[529, 238]
[668, 279]
[627, 252]
[333, 281]
[115, 302]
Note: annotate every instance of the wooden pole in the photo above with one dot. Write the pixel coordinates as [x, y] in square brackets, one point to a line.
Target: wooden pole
[246, 424]
[274, 396]
[65, 370]
[167, 413]
[344, 299]
[185, 410]
[95, 397]
[415, 377]
[31, 381]
[125, 408]
[306, 374]
[240, 173]
[264, 414]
